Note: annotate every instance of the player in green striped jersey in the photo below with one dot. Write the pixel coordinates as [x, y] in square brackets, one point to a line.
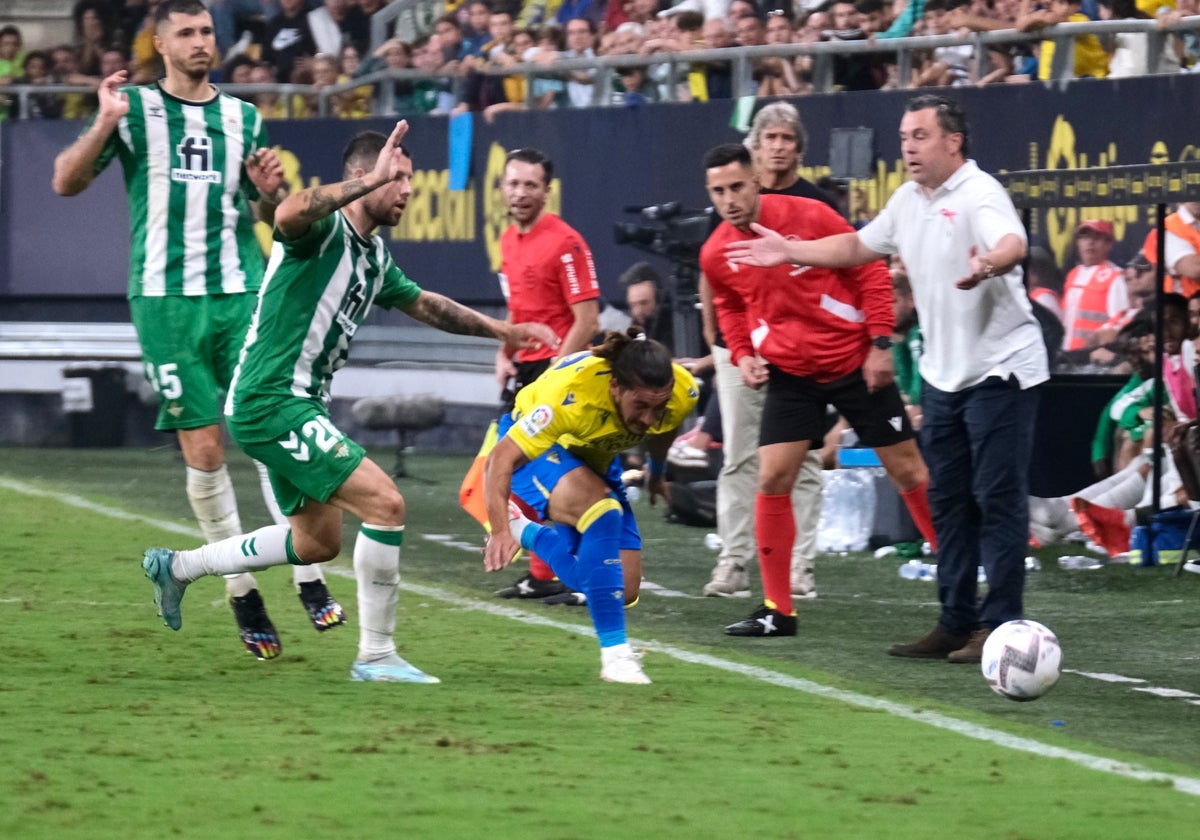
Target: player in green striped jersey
[327, 269]
[195, 161]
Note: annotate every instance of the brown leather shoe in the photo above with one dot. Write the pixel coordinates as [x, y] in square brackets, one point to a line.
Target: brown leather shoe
[938, 644]
[972, 651]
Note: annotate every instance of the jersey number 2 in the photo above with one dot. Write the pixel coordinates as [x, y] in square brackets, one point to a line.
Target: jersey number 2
[322, 432]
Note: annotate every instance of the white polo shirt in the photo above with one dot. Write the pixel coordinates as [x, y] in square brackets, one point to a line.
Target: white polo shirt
[969, 335]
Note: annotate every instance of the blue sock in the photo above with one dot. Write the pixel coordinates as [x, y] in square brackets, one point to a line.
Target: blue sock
[600, 572]
[555, 549]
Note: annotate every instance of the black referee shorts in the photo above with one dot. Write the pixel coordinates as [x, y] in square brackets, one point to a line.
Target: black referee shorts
[794, 410]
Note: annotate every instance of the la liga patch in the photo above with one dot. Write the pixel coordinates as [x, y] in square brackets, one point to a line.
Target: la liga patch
[536, 420]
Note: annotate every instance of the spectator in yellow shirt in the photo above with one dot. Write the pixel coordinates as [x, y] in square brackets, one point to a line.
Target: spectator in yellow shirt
[1090, 57]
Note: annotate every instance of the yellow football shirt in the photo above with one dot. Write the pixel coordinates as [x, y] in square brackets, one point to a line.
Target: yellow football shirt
[570, 405]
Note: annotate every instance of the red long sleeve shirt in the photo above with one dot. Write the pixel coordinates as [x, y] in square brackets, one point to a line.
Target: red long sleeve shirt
[806, 321]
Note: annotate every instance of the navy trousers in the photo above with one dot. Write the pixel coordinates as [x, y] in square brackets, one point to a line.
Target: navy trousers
[977, 444]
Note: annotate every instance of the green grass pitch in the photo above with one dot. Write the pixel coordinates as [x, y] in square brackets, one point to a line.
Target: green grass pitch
[113, 726]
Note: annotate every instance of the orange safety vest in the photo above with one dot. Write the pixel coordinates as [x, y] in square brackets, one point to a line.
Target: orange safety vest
[1091, 310]
[1183, 230]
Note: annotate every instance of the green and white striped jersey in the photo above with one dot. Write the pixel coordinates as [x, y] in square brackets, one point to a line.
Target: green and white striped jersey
[192, 232]
[318, 290]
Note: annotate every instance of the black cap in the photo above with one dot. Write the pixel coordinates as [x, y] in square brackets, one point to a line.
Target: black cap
[1139, 262]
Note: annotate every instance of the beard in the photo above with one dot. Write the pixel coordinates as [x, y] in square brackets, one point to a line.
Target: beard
[191, 70]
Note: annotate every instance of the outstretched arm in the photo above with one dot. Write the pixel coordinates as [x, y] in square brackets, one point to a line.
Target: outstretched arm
[75, 166]
[297, 212]
[1000, 260]
[838, 251]
[445, 314]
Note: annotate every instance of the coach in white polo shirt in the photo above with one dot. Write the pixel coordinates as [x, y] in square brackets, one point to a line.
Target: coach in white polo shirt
[962, 242]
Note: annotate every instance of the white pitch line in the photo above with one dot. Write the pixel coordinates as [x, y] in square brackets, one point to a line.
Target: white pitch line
[82, 503]
[1183, 784]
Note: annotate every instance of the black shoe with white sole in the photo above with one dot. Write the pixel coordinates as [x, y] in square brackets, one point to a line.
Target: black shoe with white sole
[764, 622]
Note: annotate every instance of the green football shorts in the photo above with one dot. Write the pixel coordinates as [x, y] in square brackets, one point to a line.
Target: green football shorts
[307, 457]
[190, 348]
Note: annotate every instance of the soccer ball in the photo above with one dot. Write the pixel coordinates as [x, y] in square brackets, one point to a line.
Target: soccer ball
[1021, 660]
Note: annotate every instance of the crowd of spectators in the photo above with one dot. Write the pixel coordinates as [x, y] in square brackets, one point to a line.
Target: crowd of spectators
[317, 44]
[310, 42]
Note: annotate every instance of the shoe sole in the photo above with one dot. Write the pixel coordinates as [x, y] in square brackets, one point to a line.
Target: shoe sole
[759, 635]
[740, 593]
[152, 566]
[422, 679]
[756, 633]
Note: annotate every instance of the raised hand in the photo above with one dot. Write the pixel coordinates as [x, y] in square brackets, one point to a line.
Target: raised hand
[387, 167]
[113, 103]
[265, 171]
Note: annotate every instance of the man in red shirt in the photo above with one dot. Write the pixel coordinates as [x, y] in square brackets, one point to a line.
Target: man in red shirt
[825, 339]
[547, 268]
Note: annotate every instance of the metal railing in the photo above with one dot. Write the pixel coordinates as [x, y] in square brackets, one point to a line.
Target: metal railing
[672, 68]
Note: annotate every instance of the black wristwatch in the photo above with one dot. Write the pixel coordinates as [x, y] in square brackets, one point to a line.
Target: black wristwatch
[883, 342]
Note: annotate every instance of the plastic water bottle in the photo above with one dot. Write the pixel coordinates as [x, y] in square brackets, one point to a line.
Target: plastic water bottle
[847, 510]
[1076, 562]
[916, 570]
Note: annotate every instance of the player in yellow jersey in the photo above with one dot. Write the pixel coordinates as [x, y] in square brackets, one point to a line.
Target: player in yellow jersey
[557, 457]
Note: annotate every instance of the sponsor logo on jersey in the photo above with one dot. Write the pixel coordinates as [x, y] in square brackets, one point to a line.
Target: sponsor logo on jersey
[352, 308]
[569, 399]
[536, 420]
[568, 262]
[175, 409]
[896, 422]
[341, 451]
[195, 156]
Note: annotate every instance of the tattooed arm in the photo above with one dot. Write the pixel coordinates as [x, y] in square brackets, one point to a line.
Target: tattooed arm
[445, 314]
[296, 213]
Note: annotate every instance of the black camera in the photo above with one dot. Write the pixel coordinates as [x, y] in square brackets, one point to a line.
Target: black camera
[668, 229]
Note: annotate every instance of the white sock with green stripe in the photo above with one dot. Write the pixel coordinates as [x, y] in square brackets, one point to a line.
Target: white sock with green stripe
[210, 493]
[253, 552]
[377, 570]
